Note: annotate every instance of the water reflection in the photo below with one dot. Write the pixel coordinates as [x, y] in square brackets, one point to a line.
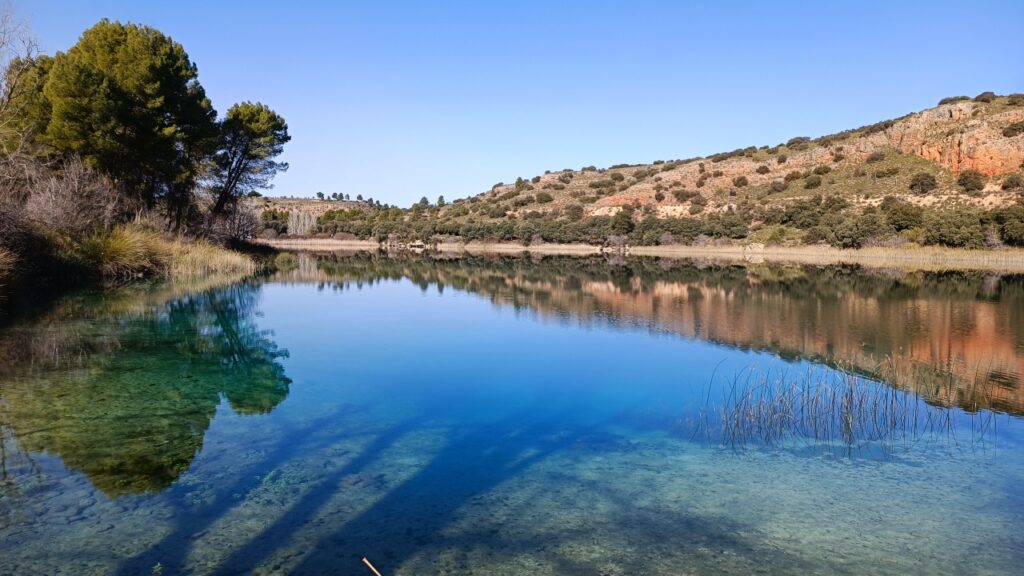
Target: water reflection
[956, 338]
[127, 397]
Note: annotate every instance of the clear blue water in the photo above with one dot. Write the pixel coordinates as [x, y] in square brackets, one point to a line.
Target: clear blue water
[504, 416]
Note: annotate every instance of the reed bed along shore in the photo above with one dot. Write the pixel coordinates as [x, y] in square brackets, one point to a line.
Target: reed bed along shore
[127, 252]
[833, 411]
[926, 258]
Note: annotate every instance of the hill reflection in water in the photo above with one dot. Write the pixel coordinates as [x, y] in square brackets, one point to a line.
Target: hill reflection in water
[956, 338]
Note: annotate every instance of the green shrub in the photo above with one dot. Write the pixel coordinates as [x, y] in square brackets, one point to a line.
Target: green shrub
[1015, 99]
[793, 175]
[762, 169]
[1013, 181]
[544, 197]
[875, 157]
[684, 195]
[535, 179]
[971, 180]
[922, 183]
[887, 172]
[782, 159]
[855, 232]
[957, 227]
[616, 176]
[953, 99]
[812, 182]
[779, 185]
[986, 97]
[1014, 129]
[902, 215]
[740, 181]
[717, 174]
[822, 170]
[658, 197]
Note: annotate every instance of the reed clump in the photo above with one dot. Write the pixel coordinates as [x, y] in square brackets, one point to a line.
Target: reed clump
[134, 251]
[831, 409]
[6, 263]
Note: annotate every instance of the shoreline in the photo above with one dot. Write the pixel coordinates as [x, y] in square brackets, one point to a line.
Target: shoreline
[920, 258]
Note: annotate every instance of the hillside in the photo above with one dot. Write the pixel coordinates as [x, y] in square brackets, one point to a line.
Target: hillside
[948, 175]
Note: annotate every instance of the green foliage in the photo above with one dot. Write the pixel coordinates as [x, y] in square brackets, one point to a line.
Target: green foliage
[779, 185]
[793, 175]
[1015, 99]
[252, 136]
[126, 98]
[822, 170]
[740, 181]
[887, 172]
[1011, 225]
[658, 196]
[684, 195]
[956, 227]
[902, 215]
[544, 197]
[953, 99]
[1014, 129]
[622, 221]
[781, 159]
[971, 180]
[812, 181]
[1014, 181]
[922, 183]
[856, 231]
[986, 97]
[763, 169]
[276, 220]
[875, 157]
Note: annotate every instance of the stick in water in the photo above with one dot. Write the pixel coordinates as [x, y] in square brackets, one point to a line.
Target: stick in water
[370, 566]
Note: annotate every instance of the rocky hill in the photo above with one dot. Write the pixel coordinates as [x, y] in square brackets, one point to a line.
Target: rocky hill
[948, 175]
[862, 165]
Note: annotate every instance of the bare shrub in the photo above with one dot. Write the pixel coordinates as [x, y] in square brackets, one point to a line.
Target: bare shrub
[240, 223]
[72, 199]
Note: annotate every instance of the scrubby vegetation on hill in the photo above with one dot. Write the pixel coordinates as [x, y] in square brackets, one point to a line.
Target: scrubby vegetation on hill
[897, 182]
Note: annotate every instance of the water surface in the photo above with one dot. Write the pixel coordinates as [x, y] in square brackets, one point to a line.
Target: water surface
[514, 416]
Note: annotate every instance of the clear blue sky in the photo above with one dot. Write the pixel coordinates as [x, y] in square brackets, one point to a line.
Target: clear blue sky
[397, 100]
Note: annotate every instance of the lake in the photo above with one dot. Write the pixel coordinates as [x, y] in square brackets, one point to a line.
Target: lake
[518, 415]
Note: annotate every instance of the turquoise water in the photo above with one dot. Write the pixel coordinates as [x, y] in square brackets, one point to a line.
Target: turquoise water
[511, 416]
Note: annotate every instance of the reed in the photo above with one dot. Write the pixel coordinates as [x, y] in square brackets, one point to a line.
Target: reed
[134, 251]
[834, 410]
[6, 263]
[201, 258]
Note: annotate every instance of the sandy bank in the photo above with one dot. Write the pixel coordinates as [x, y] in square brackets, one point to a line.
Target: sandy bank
[920, 258]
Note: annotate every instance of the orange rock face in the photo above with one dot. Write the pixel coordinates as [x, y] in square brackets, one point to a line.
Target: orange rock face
[950, 136]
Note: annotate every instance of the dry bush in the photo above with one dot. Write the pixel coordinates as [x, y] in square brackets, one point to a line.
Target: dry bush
[239, 223]
[73, 200]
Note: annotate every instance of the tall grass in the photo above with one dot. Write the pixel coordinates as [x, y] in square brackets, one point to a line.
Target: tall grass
[6, 263]
[133, 251]
[834, 410]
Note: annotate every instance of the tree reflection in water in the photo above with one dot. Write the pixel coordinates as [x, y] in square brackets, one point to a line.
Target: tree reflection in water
[128, 398]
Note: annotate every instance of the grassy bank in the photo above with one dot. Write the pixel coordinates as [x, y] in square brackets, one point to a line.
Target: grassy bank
[127, 252]
[929, 258]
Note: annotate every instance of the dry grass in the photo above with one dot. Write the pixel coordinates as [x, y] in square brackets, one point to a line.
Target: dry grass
[201, 258]
[6, 263]
[133, 251]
